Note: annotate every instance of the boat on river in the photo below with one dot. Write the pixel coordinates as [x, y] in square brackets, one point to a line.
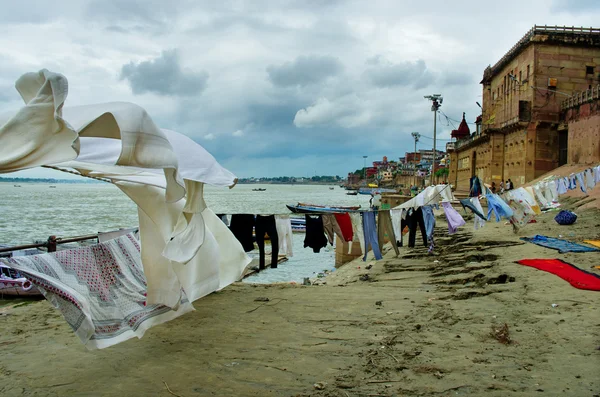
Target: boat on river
[260, 189]
[303, 208]
[375, 190]
[14, 284]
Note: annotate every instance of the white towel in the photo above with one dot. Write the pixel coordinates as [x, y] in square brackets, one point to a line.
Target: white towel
[283, 224]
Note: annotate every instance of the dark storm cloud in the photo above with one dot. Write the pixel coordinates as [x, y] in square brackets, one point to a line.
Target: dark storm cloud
[304, 70]
[386, 74]
[164, 76]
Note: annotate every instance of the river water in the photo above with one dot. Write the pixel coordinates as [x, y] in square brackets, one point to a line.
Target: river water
[35, 211]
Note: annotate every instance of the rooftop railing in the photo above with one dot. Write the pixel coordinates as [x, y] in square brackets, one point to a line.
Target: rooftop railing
[581, 98]
[543, 29]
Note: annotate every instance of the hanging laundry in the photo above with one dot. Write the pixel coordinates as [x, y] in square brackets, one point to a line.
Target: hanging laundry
[498, 207]
[357, 230]
[531, 200]
[223, 217]
[589, 179]
[475, 187]
[581, 182]
[283, 223]
[315, 233]
[597, 174]
[453, 217]
[561, 187]
[413, 219]
[242, 226]
[479, 221]
[572, 182]
[104, 237]
[384, 227]
[518, 200]
[331, 227]
[468, 203]
[265, 224]
[552, 187]
[396, 215]
[100, 290]
[429, 220]
[345, 224]
[370, 231]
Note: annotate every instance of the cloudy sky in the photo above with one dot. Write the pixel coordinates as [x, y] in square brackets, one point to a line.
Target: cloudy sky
[280, 87]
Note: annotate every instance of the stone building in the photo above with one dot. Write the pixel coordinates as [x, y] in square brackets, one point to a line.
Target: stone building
[581, 124]
[520, 135]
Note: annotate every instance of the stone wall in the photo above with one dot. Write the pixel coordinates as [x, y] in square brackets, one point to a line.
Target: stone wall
[584, 133]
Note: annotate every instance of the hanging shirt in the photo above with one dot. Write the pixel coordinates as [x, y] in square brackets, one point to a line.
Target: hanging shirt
[453, 217]
[479, 220]
[579, 177]
[561, 187]
[498, 207]
[315, 233]
[241, 226]
[589, 179]
[396, 215]
[345, 224]
[331, 227]
[468, 203]
[357, 230]
[283, 224]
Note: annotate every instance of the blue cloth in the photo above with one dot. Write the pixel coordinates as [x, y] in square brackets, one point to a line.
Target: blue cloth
[561, 245]
[429, 220]
[565, 217]
[572, 182]
[498, 206]
[370, 232]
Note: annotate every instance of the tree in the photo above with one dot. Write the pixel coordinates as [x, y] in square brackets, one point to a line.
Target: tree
[442, 172]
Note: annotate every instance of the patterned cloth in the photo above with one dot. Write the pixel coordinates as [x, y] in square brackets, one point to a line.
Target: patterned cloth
[565, 217]
[100, 290]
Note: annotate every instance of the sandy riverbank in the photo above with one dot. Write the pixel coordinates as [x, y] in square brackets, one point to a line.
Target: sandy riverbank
[417, 326]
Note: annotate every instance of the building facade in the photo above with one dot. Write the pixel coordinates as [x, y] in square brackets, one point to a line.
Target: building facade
[520, 135]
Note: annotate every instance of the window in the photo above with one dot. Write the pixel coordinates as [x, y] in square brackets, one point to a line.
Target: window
[527, 72]
[520, 76]
[589, 70]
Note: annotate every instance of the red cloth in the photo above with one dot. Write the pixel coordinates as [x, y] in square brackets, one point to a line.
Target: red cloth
[345, 224]
[576, 277]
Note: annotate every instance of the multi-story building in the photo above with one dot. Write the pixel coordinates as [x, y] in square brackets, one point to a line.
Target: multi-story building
[520, 136]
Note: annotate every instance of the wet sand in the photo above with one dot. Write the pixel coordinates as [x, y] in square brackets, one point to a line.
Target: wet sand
[418, 325]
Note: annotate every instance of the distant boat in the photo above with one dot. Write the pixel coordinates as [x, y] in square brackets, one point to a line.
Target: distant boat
[17, 185]
[260, 189]
[331, 188]
[302, 208]
[352, 193]
[374, 190]
[52, 187]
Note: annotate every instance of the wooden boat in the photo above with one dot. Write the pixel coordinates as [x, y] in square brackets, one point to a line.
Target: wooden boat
[12, 283]
[260, 189]
[303, 208]
[352, 192]
[375, 190]
[331, 188]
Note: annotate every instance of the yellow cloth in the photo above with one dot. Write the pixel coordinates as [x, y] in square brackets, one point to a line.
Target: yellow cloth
[595, 243]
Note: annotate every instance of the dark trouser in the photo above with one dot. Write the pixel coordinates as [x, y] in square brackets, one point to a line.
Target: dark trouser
[412, 220]
[266, 224]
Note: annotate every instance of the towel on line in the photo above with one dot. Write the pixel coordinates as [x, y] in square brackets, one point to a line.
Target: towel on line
[576, 277]
[100, 290]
